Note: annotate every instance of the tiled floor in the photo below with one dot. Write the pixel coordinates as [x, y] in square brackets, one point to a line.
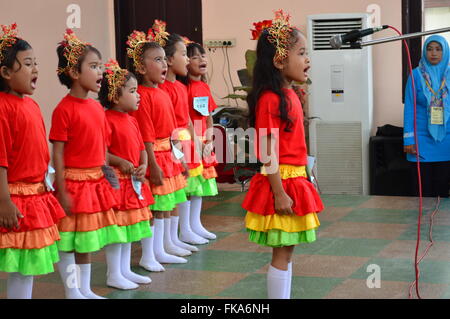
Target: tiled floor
[356, 232]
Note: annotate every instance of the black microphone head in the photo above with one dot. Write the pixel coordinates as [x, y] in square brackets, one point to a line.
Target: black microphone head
[336, 41]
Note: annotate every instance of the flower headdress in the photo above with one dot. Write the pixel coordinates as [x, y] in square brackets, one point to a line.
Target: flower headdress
[8, 39]
[74, 49]
[187, 41]
[116, 78]
[279, 30]
[134, 50]
[158, 33]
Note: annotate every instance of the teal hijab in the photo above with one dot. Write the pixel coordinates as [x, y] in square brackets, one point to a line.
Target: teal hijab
[435, 74]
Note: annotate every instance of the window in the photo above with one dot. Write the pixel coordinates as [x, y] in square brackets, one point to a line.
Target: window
[437, 16]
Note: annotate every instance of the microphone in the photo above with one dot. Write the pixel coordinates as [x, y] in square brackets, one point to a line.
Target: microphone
[351, 37]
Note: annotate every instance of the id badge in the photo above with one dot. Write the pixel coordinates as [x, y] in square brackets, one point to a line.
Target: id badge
[437, 115]
[48, 181]
[201, 105]
[137, 186]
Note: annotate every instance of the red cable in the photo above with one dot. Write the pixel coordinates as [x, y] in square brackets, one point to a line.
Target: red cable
[419, 178]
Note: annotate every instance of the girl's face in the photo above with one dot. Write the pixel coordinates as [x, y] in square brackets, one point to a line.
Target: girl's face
[91, 75]
[434, 53]
[198, 64]
[129, 100]
[155, 66]
[179, 61]
[23, 76]
[296, 66]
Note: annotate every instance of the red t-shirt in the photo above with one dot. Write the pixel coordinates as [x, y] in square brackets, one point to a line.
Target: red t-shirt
[179, 96]
[155, 115]
[23, 140]
[82, 125]
[199, 89]
[125, 139]
[292, 145]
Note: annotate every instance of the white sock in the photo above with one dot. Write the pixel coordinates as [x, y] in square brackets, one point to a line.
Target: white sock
[70, 275]
[114, 274]
[288, 288]
[148, 260]
[174, 222]
[186, 233]
[196, 223]
[277, 282]
[85, 280]
[126, 266]
[160, 254]
[19, 286]
[169, 245]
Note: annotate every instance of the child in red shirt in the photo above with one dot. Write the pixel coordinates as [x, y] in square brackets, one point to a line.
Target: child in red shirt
[201, 104]
[28, 210]
[281, 204]
[126, 153]
[177, 62]
[79, 131]
[157, 123]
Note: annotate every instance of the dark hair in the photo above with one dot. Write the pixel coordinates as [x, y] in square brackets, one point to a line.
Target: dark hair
[192, 49]
[169, 48]
[130, 62]
[104, 90]
[10, 57]
[65, 78]
[267, 77]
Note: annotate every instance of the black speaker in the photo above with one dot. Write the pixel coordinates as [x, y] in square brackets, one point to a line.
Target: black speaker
[390, 172]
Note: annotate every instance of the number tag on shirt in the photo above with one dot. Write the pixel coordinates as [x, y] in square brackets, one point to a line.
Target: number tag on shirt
[137, 186]
[48, 181]
[437, 115]
[110, 176]
[201, 105]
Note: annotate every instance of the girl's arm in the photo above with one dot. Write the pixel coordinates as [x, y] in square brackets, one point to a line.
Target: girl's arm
[283, 203]
[156, 174]
[9, 213]
[142, 169]
[208, 136]
[60, 184]
[124, 166]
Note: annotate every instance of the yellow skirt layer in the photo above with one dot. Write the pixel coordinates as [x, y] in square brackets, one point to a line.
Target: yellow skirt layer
[287, 223]
[288, 171]
[196, 171]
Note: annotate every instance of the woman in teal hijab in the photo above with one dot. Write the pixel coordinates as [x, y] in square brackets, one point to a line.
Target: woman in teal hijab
[432, 82]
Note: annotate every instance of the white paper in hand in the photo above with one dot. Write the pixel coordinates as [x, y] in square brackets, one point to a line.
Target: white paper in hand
[137, 186]
[310, 165]
[48, 180]
[176, 152]
[110, 176]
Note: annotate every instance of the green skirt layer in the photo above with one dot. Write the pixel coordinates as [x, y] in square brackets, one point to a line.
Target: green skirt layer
[167, 203]
[137, 231]
[91, 241]
[278, 238]
[194, 184]
[208, 188]
[29, 262]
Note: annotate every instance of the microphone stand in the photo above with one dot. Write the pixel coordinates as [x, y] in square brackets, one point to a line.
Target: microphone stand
[406, 36]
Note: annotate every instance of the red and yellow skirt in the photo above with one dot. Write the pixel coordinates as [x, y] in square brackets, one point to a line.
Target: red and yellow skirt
[171, 192]
[31, 248]
[267, 228]
[133, 214]
[208, 185]
[93, 223]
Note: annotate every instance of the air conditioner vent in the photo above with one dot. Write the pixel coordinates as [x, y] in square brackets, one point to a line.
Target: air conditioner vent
[323, 30]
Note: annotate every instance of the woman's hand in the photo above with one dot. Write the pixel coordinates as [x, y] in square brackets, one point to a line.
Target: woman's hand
[156, 175]
[126, 167]
[9, 214]
[283, 204]
[410, 149]
[65, 201]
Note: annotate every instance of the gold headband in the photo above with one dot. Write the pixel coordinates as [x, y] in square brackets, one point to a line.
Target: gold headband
[134, 50]
[116, 78]
[8, 39]
[158, 33]
[74, 49]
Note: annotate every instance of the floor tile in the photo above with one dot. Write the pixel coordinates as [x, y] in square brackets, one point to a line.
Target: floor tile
[226, 209]
[332, 214]
[343, 200]
[440, 233]
[378, 215]
[239, 242]
[364, 230]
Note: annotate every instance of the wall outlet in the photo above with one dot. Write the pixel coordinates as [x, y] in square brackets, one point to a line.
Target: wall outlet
[224, 43]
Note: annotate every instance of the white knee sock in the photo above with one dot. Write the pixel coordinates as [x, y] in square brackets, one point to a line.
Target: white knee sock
[19, 286]
[196, 223]
[85, 281]
[70, 275]
[277, 282]
[174, 222]
[288, 287]
[148, 260]
[186, 233]
[160, 254]
[169, 245]
[126, 266]
[114, 274]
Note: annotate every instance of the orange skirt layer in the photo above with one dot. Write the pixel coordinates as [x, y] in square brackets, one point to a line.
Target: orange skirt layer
[89, 190]
[34, 239]
[133, 216]
[170, 185]
[87, 222]
[209, 172]
[127, 197]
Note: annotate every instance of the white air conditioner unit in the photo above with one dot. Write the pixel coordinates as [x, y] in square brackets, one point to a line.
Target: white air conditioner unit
[341, 100]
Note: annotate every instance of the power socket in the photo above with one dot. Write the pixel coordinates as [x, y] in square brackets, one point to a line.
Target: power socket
[225, 43]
